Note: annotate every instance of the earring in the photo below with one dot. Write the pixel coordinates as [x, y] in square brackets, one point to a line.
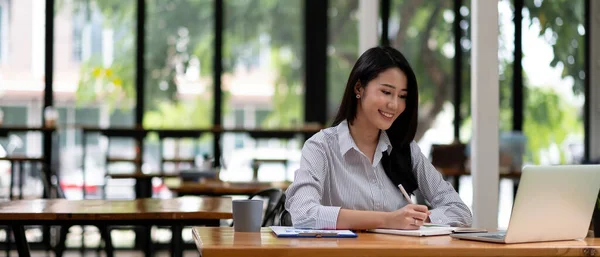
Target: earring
[357, 96]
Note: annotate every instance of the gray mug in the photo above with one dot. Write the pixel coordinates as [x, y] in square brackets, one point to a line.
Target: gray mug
[247, 215]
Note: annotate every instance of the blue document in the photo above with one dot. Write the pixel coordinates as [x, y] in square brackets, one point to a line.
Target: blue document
[297, 232]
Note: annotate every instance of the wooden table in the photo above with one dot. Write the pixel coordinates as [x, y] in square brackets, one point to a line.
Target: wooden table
[220, 188]
[224, 242]
[177, 212]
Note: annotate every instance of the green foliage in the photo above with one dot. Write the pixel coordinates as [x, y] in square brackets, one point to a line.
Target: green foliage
[180, 115]
[178, 31]
[421, 39]
[287, 97]
[113, 85]
[548, 119]
[343, 49]
[255, 26]
[561, 22]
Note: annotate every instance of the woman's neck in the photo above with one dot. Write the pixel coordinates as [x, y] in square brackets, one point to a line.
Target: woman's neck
[363, 132]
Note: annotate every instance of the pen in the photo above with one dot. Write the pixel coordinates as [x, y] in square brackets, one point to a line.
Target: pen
[411, 202]
[405, 194]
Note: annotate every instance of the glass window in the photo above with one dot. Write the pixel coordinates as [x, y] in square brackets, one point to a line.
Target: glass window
[22, 90]
[94, 84]
[1, 31]
[178, 59]
[16, 143]
[423, 33]
[179, 78]
[78, 21]
[465, 71]
[22, 75]
[4, 32]
[505, 69]
[553, 40]
[342, 50]
[261, 116]
[506, 53]
[262, 59]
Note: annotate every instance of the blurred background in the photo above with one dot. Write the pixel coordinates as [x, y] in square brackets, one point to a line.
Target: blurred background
[274, 64]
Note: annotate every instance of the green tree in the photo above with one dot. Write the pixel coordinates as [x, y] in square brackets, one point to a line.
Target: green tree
[548, 119]
[562, 25]
[253, 27]
[113, 85]
[342, 49]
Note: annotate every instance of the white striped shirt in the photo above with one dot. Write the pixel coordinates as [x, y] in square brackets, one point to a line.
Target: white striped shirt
[335, 174]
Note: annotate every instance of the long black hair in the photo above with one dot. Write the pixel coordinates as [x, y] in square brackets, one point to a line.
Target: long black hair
[398, 165]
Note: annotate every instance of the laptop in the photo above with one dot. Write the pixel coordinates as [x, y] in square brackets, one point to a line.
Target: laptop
[553, 203]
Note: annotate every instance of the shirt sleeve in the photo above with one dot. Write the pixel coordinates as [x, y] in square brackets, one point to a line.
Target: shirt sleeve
[303, 197]
[447, 207]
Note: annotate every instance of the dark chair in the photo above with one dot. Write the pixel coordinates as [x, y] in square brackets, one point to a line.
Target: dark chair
[274, 196]
[285, 219]
[272, 215]
[281, 217]
[450, 161]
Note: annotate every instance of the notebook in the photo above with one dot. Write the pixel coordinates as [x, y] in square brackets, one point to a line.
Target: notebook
[297, 232]
[423, 231]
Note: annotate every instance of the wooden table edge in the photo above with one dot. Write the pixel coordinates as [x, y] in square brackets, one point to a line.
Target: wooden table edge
[6, 218]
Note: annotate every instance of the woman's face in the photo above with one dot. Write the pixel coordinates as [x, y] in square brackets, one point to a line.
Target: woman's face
[383, 99]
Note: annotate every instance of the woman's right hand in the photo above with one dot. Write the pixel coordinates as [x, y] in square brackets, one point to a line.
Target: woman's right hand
[411, 216]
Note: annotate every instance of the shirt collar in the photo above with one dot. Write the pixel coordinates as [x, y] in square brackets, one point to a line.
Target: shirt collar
[346, 142]
[384, 142]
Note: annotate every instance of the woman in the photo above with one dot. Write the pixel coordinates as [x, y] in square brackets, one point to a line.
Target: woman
[349, 173]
